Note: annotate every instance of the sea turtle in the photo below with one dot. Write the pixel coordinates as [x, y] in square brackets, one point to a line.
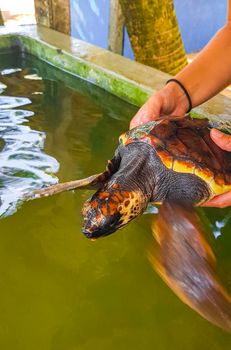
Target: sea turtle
[169, 159]
[174, 161]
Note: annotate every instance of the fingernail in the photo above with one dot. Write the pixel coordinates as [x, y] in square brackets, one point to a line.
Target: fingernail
[217, 133]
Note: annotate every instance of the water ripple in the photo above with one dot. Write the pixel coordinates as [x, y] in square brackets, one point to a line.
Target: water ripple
[2, 87]
[13, 102]
[24, 166]
[10, 71]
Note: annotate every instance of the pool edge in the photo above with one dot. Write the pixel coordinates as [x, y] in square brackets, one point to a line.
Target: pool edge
[129, 80]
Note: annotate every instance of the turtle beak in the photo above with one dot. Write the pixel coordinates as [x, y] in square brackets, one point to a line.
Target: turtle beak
[102, 227]
[105, 227]
[93, 235]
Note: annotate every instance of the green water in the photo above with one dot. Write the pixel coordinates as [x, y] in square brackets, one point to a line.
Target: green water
[57, 289]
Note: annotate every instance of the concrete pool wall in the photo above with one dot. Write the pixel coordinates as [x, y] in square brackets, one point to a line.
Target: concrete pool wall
[129, 80]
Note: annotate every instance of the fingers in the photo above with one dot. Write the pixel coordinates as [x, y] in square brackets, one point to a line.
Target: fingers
[169, 101]
[222, 201]
[149, 111]
[222, 140]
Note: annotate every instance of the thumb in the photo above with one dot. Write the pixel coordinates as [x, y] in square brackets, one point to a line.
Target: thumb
[149, 111]
[222, 140]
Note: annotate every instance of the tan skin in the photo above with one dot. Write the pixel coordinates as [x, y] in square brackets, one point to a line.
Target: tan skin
[206, 76]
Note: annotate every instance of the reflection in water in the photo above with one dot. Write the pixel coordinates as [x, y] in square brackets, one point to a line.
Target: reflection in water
[186, 262]
[23, 164]
[220, 224]
[32, 77]
[12, 102]
[10, 71]
[2, 87]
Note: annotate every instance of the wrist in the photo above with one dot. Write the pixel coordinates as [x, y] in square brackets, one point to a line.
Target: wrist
[176, 93]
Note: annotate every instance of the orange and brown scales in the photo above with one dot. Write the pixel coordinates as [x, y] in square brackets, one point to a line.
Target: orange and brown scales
[184, 145]
[115, 201]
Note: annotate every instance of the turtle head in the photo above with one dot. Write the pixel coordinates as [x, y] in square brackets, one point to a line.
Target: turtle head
[124, 195]
[111, 208]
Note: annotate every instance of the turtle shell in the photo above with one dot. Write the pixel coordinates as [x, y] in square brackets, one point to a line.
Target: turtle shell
[184, 145]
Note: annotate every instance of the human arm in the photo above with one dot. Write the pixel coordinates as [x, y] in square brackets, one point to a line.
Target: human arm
[208, 74]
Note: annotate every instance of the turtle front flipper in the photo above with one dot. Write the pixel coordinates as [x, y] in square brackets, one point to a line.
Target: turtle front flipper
[186, 262]
[92, 182]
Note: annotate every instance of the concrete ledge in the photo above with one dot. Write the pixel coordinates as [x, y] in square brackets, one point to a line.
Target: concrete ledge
[127, 79]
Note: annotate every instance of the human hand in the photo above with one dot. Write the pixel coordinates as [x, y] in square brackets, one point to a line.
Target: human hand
[169, 101]
[223, 141]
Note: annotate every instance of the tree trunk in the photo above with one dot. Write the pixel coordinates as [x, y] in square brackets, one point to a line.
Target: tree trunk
[1, 19]
[116, 28]
[54, 14]
[154, 34]
[43, 13]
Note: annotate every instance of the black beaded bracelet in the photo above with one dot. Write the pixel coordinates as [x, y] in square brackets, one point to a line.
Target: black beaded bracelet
[185, 91]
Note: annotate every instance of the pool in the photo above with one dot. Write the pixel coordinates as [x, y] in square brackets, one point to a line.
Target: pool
[59, 290]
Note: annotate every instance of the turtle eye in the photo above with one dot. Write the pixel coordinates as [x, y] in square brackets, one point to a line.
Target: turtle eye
[122, 139]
